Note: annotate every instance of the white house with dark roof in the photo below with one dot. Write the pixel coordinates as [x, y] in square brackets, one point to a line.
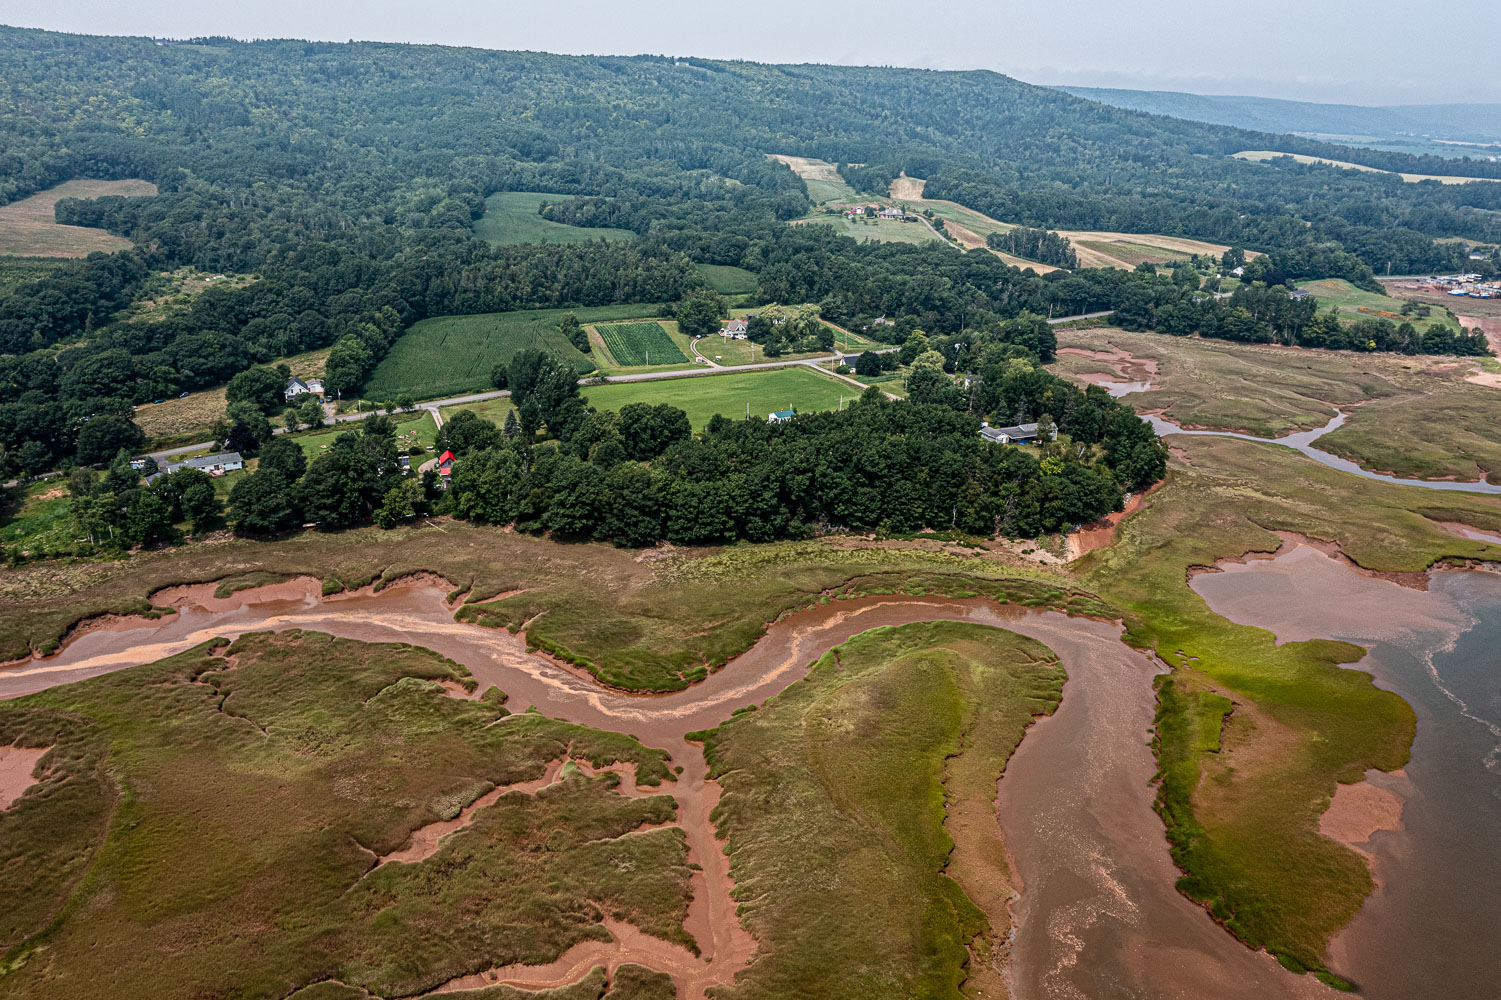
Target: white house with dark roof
[215, 465]
[303, 387]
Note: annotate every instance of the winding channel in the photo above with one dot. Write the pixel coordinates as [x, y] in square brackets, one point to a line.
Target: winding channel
[1097, 914]
[1299, 441]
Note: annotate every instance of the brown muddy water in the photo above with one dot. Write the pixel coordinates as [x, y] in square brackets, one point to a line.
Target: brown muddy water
[1097, 915]
[1431, 831]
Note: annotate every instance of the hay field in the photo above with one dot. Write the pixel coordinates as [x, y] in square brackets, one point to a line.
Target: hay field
[173, 418]
[1265, 155]
[28, 227]
[822, 178]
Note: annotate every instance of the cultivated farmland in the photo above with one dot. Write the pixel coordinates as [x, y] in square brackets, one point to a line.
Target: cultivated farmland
[633, 345]
[511, 217]
[454, 354]
[29, 228]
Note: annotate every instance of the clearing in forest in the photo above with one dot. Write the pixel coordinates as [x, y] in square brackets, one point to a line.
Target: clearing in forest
[1265, 155]
[29, 227]
[511, 217]
[634, 345]
[821, 177]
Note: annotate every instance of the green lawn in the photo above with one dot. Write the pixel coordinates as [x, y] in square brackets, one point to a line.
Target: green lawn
[1358, 304]
[728, 280]
[412, 430]
[511, 217]
[701, 397]
[447, 355]
[35, 519]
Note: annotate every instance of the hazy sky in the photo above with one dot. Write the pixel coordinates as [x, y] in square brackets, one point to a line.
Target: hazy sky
[1354, 51]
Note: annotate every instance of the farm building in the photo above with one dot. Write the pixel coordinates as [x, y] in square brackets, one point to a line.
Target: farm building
[780, 416]
[1016, 434]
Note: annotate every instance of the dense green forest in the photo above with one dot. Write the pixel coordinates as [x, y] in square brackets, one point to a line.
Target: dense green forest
[348, 177]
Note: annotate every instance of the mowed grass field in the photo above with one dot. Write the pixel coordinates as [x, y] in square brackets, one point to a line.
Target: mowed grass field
[1264, 155]
[634, 345]
[448, 355]
[29, 228]
[881, 230]
[1359, 304]
[703, 396]
[511, 217]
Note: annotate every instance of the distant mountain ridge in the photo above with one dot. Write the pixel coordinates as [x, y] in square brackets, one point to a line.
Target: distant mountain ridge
[1479, 123]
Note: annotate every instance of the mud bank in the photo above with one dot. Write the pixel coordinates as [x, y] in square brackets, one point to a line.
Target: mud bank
[1429, 831]
[17, 767]
[1075, 805]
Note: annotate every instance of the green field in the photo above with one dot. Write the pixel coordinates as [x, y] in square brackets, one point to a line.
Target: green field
[413, 430]
[35, 519]
[881, 230]
[728, 280]
[634, 345]
[511, 217]
[853, 778]
[701, 397]
[1357, 304]
[208, 813]
[455, 354]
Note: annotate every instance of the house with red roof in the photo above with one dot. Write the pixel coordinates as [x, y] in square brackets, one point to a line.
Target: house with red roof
[445, 464]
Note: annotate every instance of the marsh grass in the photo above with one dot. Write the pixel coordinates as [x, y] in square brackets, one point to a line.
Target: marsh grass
[836, 798]
[209, 813]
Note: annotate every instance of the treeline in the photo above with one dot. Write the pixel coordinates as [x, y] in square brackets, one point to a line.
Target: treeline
[1035, 244]
[638, 476]
[1268, 314]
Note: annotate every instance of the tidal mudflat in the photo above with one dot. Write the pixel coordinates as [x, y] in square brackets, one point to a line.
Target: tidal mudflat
[1429, 830]
[1097, 914]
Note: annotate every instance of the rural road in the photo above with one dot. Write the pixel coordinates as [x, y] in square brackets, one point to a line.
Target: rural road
[435, 406]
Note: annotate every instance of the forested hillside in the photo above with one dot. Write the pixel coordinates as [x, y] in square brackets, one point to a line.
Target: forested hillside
[348, 177]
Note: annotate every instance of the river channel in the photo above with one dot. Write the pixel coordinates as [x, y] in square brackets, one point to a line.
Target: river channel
[1097, 915]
